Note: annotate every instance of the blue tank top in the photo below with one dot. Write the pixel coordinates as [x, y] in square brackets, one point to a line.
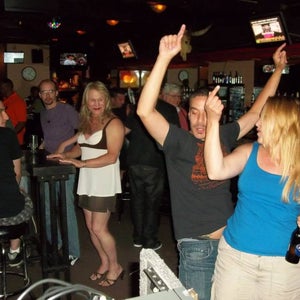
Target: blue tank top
[262, 223]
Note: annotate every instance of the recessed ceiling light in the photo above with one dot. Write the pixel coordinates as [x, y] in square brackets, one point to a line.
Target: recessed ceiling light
[81, 31]
[112, 22]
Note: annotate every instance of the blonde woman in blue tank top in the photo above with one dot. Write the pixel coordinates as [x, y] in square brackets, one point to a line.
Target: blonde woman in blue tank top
[251, 255]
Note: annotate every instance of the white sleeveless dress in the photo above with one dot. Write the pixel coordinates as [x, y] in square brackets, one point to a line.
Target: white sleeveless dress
[97, 182]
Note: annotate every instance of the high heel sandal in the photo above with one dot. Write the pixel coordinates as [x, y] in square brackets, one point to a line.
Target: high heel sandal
[98, 276]
[110, 282]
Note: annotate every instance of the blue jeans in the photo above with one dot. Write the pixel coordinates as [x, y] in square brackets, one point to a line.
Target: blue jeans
[196, 265]
[74, 248]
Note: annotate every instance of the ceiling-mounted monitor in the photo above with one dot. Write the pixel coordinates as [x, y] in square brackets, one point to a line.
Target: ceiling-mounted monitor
[127, 50]
[269, 30]
[73, 59]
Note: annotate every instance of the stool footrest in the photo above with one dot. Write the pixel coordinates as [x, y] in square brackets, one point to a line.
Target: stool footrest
[6, 234]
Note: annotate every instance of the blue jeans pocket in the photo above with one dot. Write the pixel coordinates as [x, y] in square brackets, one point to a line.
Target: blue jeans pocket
[196, 265]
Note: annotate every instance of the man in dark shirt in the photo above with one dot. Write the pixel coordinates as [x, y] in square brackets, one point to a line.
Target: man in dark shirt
[200, 207]
[147, 177]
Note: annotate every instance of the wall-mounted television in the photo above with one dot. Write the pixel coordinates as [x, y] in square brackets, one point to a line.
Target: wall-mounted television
[78, 59]
[11, 57]
[127, 50]
[271, 29]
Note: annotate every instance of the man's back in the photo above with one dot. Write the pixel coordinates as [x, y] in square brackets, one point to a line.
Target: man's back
[143, 148]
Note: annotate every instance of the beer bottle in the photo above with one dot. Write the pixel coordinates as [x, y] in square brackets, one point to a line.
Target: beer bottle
[293, 254]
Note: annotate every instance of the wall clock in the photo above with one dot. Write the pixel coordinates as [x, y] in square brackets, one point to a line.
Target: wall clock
[28, 73]
[183, 75]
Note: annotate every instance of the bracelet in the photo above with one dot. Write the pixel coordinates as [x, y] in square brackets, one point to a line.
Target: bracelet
[84, 163]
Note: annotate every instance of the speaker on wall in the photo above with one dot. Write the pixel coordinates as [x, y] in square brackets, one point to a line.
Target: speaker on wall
[37, 56]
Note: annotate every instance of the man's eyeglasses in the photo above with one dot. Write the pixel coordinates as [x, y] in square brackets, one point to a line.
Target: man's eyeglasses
[45, 92]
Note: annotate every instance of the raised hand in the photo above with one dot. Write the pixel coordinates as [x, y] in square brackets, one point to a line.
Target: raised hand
[170, 45]
[279, 57]
[213, 105]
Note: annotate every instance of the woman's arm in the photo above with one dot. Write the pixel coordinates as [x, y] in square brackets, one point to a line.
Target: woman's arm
[115, 133]
[71, 141]
[73, 153]
[248, 120]
[219, 167]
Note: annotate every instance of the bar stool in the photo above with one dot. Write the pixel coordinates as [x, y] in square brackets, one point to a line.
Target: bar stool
[6, 234]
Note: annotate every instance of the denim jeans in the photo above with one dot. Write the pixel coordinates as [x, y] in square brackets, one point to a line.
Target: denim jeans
[196, 265]
[147, 186]
[74, 248]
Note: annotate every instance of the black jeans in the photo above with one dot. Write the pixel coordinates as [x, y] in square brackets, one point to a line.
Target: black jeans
[147, 186]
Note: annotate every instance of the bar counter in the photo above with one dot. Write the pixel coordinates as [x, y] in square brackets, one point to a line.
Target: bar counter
[43, 171]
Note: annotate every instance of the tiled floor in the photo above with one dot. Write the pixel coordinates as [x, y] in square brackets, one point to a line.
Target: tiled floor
[128, 257]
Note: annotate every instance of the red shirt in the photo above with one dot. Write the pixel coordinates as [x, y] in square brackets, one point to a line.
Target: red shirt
[16, 110]
[183, 118]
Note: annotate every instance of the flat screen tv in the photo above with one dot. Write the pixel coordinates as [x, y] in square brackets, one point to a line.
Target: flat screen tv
[78, 59]
[127, 50]
[11, 57]
[268, 30]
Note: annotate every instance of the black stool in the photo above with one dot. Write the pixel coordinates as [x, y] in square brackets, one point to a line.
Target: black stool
[6, 234]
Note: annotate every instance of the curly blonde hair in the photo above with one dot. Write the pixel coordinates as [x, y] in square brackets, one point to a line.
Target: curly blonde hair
[280, 118]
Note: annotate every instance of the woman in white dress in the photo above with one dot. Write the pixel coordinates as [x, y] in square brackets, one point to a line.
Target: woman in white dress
[99, 142]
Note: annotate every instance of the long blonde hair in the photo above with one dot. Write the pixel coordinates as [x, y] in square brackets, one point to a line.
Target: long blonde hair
[85, 114]
[281, 124]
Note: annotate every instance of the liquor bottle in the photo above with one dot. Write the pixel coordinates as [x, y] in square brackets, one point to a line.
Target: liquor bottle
[236, 76]
[230, 78]
[214, 76]
[293, 254]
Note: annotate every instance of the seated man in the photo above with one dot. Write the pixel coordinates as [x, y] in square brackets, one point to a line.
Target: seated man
[15, 206]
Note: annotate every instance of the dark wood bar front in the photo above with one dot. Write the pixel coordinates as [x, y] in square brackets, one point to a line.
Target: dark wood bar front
[54, 259]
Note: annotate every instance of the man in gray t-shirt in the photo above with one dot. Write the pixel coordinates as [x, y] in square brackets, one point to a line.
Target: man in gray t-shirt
[59, 122]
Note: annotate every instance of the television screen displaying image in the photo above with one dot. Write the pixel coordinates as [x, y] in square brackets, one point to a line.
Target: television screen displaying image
[73, 59]
[127, 50]
[13, 57]
[269, 30]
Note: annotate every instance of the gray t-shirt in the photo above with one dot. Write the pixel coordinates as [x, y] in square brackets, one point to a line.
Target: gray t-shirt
[199, 205]
[58, 124]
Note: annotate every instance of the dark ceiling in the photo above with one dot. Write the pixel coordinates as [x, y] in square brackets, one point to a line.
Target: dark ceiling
[25, 21]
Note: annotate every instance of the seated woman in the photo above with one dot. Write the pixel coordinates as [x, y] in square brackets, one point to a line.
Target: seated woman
[15, 206]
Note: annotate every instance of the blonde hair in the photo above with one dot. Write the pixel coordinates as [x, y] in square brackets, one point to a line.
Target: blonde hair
[85, 114]
[280, 121]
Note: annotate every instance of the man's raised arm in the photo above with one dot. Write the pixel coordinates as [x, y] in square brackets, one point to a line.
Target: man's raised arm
[155, 123]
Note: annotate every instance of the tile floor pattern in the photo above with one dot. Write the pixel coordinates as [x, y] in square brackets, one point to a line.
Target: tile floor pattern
[128, 257]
